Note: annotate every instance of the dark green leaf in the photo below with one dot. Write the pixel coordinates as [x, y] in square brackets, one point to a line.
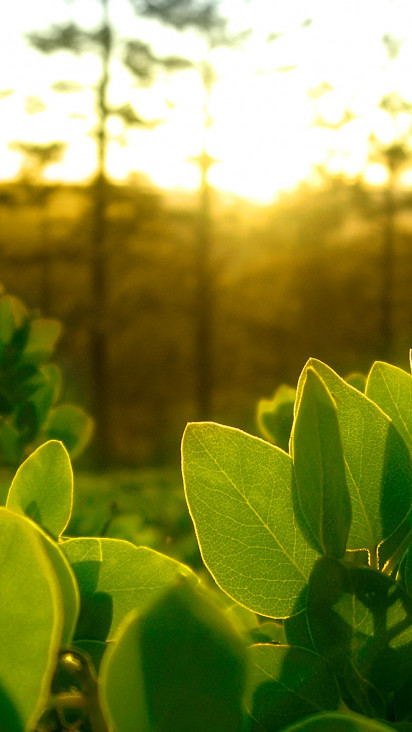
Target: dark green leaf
[12, 316]
[288, 683]
[338, 722]
[93, 649]
[361, 616]
[179, 666]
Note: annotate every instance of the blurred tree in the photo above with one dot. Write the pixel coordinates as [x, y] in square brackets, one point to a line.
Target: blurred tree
[36, 158]
[394, 155]
[206, 18]
[139, 58]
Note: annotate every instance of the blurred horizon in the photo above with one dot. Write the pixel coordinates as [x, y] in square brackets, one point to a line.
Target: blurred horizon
[279, 113]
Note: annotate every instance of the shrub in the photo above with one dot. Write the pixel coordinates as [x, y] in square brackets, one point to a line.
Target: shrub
[312, 550]
[30, 387]
[319, 539]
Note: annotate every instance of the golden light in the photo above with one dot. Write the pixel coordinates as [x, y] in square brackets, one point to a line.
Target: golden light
[262, 134]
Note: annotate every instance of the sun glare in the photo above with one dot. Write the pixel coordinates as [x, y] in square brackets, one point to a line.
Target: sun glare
[265, 133]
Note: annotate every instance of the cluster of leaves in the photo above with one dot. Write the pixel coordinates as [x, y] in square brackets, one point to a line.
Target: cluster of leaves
[30, 387]
[101, 635]
[98, 634]
[317, 538]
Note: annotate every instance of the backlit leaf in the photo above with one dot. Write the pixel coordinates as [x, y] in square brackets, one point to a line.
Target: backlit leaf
[288, 683]
[239, 493]
[178, 666]
[43, 488]
[31, 623]
[72, 425]
[378, 465]
[115, 577]
[275, 416]
[316, 450]
[391, 389]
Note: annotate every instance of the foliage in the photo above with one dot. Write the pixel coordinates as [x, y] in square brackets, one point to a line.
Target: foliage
[30, 386]
[99, 634]
[318, 539]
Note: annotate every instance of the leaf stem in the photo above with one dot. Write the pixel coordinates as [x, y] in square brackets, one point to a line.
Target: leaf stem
[390, 564]
[373, 557]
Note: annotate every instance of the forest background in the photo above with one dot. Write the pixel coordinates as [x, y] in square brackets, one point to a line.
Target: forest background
[196, 296]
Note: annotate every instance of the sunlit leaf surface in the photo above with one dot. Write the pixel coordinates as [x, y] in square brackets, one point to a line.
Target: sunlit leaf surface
[115, 577]
[43, 488]
[239, 492]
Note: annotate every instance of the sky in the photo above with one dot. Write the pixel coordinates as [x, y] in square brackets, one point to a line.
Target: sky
[265, 105]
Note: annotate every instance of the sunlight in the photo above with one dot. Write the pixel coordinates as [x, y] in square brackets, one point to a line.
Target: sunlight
[264, 135]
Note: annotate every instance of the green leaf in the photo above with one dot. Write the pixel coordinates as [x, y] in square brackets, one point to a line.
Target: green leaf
[31, 622]
[53, 376]
[115, 577]
[42, 338]
[275, 416]
[378, 465]
[391, 389]
[72, 426]
[338, 722]
[178, 666]
[239, 493]
[297, 631]
[316, 450]
[43, 488]
[358, 381]
[12, 316]
[10, 443]
[68, 586]
[288, 683]
[407, 570]
[359, 615]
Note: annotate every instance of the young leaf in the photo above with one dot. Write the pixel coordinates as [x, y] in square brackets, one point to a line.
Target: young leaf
[239, 493]
[115, 577]
[338, 722]
[358, 381]
[31, 623]
[12, 316]
[378, 465]
[288, 683]
[42, 337]
[316, 451]
[67, 583]
[275, 416]
[391, 389]
[43, 488]
[178, 666]
[72, 425]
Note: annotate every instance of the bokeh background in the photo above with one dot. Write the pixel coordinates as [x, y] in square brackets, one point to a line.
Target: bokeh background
[206, 194]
